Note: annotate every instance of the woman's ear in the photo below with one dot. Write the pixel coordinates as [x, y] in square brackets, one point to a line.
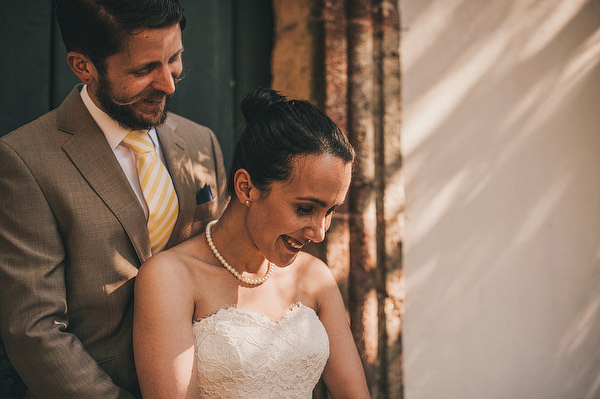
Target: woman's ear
[244, 189]
[82, 67]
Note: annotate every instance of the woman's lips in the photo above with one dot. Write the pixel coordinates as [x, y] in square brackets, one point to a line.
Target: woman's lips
[292, 244]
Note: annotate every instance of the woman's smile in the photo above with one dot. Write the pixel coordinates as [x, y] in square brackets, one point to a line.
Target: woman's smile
[292, 244]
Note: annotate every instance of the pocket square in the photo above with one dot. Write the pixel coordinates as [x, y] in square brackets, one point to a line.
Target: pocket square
[204, 195]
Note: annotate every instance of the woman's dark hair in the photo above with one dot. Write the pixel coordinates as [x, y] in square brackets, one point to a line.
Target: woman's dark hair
[277, 130]
[96, 28]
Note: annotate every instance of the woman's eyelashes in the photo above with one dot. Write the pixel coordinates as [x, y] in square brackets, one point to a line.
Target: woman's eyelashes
[308, 210]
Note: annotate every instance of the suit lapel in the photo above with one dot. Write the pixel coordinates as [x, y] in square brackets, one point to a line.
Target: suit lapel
[180, 169]
[90, 153]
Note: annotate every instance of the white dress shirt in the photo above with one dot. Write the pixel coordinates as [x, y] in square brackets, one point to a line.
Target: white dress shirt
[115, 134]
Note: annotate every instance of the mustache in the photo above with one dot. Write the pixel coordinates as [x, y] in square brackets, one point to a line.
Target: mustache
[149, 94]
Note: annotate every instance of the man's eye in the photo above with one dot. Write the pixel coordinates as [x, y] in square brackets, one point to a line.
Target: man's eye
[304, 211]
[143, 72]
[331, 210]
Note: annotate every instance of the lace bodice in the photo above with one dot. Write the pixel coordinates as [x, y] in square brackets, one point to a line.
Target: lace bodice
[244, 354]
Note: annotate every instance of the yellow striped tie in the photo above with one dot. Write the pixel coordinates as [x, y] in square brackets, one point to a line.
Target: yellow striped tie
[157, 187]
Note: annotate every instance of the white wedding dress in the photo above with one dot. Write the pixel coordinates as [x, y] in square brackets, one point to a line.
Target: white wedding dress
[244, 354]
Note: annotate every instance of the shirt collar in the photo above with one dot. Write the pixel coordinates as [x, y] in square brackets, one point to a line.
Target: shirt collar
[114, 132]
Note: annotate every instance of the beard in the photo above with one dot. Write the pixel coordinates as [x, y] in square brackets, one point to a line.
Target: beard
[122, 110]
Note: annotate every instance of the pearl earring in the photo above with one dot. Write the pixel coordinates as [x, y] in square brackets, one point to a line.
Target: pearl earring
[247, 203]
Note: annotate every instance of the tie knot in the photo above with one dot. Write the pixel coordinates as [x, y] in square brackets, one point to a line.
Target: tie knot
[139, 141]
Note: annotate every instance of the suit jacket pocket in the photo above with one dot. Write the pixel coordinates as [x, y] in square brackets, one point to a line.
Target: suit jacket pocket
[204, 213]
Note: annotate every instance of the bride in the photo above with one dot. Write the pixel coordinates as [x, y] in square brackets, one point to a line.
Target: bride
[240, 311]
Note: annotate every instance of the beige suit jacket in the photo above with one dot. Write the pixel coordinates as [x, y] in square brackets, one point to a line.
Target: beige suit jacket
[72, 237]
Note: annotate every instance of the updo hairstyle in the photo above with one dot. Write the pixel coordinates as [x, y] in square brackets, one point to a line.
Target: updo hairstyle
[277, 130]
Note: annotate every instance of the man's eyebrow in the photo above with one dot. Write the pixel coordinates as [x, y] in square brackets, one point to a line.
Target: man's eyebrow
[177, 53]
[153, 64]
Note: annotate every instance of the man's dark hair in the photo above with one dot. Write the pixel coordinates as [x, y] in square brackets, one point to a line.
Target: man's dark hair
[276, 131]
[97, 28]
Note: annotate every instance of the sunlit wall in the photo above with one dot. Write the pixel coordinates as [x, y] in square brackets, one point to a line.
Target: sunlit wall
[501, 144]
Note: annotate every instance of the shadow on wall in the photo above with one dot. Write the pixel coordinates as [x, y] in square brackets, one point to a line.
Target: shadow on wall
[502, 169]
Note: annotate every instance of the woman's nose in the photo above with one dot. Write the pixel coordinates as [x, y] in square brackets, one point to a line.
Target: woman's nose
[316, 231]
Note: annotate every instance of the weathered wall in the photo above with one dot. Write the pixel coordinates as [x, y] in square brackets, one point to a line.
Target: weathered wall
[296, 48]
[354, 75]
[501, 141]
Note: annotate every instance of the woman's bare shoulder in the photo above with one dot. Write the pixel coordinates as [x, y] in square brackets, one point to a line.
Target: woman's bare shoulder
[314, 278]
[174, 266]
[309, 266]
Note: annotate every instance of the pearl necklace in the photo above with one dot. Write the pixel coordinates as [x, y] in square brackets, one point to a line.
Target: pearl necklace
[231, 269]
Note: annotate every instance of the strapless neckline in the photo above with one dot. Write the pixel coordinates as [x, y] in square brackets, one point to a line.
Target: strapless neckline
[242, 353]
[287, 313]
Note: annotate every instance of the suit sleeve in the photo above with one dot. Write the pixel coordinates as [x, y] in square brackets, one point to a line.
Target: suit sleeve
[34, 321]
[221, 175]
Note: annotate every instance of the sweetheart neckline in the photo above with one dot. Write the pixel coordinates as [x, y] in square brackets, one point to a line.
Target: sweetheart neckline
[239, 351]
[291, 309]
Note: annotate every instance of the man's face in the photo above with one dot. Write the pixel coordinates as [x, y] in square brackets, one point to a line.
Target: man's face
[136, 84]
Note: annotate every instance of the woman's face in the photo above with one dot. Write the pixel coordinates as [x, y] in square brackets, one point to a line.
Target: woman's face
[299, 209]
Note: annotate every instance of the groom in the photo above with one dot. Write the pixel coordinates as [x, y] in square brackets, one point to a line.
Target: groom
[91, 190]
